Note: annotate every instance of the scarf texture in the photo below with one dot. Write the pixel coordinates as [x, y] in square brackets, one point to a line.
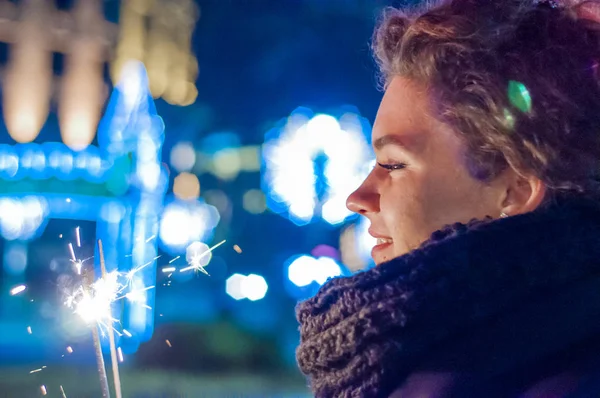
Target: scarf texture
[363, 335]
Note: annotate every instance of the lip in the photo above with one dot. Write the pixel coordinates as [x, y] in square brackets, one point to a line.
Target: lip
[378, 235]
[377, 250]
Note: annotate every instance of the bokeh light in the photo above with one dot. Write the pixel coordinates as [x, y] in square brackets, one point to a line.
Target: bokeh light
[252, 287]
[305, 270]
[183, 156]
[186, 186]
[183, 222]
[312, 162]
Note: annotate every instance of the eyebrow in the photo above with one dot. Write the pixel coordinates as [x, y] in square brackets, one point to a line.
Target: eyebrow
[391, 139]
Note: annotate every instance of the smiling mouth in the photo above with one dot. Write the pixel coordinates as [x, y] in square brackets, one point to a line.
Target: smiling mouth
[381, 251]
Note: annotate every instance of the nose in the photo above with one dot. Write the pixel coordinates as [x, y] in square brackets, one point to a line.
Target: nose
[364, 200]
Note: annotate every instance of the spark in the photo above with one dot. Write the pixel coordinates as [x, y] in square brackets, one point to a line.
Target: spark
[237, 249]
[137, 296]
[78, 266]
[68, 200]
[195, 261]
[62, 391]
[129, 275]
[29, 329]
[17, 289]
[174, 259]
[43, 388]
[168, 269]
[69, 349]
[36, 370]
[73, 258]
[126, 333]
[168, 343]
[150, 238]
[120, 353]
[78, 237]
[94, 303]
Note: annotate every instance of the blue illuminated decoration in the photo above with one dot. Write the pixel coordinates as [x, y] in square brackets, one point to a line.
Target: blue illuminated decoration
[120, 185]
[312, 162]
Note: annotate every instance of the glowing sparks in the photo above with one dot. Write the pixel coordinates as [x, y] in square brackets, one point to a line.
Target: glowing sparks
[129, 275]
[195, 260]
[37, 370]
[174, 259]
[43, 389]
[94, 304]
[237, 249]
[168, 343]
[167, 270]
[93, 300]
[126, 333]
[62, 391]
[17, 289]
[150, 238]
[29, 329]
[120, 353]
[138, 296]
[69, 349]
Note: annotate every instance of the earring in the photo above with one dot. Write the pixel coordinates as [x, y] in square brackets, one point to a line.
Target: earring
[503, 215]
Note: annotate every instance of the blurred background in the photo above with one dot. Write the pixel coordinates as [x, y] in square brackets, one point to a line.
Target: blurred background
[210, 146]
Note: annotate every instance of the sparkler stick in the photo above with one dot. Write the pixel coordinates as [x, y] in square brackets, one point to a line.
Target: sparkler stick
[111, 336]
[97, 347]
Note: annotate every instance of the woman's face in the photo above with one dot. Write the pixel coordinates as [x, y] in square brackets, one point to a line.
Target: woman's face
[420, 182]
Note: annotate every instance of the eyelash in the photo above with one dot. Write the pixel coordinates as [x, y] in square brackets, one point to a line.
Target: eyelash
[392, 167]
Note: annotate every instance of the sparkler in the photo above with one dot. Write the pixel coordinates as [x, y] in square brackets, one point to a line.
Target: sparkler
[83, 309]
[111, 336]
[93, 300]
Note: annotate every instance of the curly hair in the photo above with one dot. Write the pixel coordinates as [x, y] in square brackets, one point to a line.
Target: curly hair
[518, 80]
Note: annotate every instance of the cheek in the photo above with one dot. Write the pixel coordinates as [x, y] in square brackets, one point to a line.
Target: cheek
[404, 212]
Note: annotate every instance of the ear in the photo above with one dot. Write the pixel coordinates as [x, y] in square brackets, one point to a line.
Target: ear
[523, 194]
[589, 10]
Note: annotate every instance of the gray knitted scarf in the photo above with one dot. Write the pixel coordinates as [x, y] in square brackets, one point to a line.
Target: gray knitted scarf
[362, 335]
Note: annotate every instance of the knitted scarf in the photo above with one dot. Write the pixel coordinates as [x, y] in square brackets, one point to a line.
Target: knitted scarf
[363, 335]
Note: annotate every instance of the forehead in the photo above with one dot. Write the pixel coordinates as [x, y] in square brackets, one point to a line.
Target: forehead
[403, 117]
[406, 119]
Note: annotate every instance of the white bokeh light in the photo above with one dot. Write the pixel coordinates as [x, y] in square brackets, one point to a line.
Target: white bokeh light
[305, 270]
[183, 157]
[185, 222]
[290, 175]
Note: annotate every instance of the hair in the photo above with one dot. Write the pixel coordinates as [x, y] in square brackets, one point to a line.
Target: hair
[517, 80]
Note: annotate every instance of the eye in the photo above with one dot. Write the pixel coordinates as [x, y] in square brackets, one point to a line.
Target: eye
[392, 166]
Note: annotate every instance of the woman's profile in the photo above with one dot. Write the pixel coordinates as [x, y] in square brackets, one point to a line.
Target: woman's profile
[485, 202]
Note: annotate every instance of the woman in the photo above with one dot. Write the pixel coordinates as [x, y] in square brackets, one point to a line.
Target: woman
[485, 201]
